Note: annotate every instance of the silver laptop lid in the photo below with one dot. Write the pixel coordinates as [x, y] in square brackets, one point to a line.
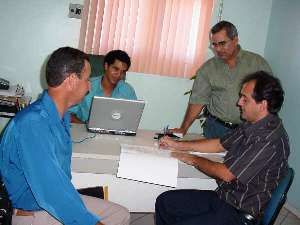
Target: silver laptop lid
[116, 116]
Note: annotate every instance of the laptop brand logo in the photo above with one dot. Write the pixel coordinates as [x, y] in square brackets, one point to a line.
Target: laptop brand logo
[116, 115]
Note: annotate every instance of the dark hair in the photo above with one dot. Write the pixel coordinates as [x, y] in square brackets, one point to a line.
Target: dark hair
[62, 63]
[230, 29]
[111, 56]
[267, 87]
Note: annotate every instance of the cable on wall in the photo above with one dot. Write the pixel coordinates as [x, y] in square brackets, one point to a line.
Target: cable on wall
[220, 10]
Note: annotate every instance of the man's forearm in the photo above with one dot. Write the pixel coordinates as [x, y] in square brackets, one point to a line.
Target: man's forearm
[211, 168]
[191, 114]
[214, 169]
[201, 145]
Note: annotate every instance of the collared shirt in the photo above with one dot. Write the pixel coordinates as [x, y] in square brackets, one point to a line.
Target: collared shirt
[258, 157]
[218, 87]
[35, 164]
[122, 90]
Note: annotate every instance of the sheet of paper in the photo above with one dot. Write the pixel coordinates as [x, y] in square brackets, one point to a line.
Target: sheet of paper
[148, 164]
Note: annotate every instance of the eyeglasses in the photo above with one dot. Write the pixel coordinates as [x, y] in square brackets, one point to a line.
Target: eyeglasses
[221, 44]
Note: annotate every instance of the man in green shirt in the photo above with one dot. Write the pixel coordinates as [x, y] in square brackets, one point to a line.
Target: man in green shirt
[217, 82]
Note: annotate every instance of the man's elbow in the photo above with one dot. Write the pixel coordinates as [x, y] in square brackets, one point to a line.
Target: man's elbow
[228, 177]
[226, 174]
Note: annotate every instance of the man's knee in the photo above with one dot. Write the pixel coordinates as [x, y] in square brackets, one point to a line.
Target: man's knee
[161, 199]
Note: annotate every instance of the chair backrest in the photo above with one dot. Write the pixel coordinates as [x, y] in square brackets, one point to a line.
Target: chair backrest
[278, 198]
[6, 208]
[97, 65]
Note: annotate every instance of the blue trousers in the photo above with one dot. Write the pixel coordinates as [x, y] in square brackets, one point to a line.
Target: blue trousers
[194, 207]
[214, 129]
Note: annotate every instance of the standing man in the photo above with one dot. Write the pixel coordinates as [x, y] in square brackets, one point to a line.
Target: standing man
[36, 151]
[111, 84]
[256, 161]
[217, 82]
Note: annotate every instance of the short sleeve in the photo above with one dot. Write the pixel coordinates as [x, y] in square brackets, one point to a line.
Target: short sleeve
[201, 90]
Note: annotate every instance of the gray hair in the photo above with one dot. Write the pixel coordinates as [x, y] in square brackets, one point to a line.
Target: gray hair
[230, 29]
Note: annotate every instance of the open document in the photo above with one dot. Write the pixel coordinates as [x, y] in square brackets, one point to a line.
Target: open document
[148, 164]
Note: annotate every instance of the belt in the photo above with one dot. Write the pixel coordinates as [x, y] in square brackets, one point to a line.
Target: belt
[247, 218]
[20, 212]
[225, 124]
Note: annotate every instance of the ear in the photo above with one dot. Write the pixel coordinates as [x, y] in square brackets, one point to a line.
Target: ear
[236, 40]
[264, 105]
[71, 81]
[105, 66]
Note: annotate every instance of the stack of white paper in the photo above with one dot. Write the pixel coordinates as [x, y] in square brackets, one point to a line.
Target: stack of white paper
[148, 164]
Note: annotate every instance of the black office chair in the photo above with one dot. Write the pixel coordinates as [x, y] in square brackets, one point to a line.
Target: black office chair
[279, 196]
[6, 209]
[97, 65]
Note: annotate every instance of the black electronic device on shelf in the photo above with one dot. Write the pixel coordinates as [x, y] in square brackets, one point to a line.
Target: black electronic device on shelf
[4, 84]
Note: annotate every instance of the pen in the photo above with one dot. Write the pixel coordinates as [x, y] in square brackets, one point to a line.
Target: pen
[166, 129]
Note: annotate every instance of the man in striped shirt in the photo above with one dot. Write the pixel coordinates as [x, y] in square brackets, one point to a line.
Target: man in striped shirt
[256, 160]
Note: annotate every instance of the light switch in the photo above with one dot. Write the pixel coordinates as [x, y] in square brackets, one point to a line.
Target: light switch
[75, 11]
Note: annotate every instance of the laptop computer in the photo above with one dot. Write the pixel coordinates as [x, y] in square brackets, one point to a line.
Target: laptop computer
[115, 116]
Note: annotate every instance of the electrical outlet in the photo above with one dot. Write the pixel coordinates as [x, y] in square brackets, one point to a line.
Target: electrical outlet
[75, 11]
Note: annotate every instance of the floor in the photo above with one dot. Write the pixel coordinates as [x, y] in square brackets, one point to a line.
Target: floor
[285, 218]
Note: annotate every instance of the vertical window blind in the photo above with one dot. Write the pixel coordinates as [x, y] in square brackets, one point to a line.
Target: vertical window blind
[165, 37]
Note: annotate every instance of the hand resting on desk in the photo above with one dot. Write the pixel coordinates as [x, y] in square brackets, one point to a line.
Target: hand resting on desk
[178, 130]
[169, 143]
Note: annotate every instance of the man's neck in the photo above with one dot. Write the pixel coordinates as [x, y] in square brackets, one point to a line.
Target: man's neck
[232, 61]
[60, 100]
[260, 117]
[107, 86]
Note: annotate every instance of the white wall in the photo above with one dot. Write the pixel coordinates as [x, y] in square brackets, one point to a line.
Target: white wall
[165, 101]
[32, 29]
[283, 52]
[251, 19]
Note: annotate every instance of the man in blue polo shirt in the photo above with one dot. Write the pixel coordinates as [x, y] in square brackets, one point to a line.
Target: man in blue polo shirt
[36, 150]
[111, 84]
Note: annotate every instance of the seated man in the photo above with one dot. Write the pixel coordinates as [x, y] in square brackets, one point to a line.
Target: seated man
[257, 159]
[36, 153]
[111, 84]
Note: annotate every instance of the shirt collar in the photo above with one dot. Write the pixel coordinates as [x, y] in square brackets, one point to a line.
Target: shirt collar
[50, 107]
[269, 122]
[119, 84]
[240, 54]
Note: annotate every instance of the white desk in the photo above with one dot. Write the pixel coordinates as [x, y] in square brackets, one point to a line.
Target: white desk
[95, 162]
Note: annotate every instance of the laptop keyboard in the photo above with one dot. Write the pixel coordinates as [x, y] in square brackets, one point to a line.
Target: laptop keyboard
[114, 132]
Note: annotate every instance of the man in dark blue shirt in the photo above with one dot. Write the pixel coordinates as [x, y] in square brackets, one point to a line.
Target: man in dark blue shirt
[256, 161]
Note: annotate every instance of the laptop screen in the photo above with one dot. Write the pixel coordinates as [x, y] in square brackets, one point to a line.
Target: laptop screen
[116, 116]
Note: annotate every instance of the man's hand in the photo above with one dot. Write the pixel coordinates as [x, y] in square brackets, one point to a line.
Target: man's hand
[191, 114]
[99, 223]
[167, 143]
[74, 119]
[178, 130]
